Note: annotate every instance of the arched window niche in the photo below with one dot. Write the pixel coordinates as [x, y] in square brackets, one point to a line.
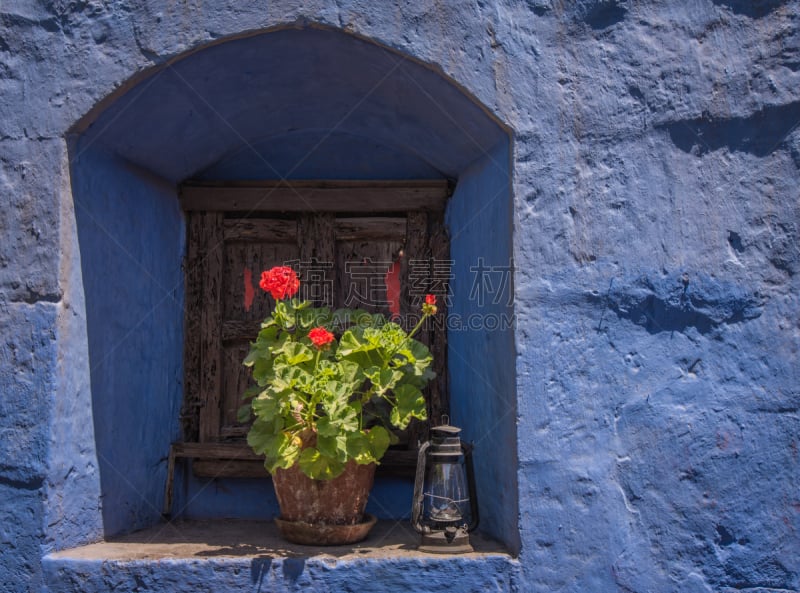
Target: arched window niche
[293, 103]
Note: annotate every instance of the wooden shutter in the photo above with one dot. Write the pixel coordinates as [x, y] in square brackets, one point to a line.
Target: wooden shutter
[342, 242]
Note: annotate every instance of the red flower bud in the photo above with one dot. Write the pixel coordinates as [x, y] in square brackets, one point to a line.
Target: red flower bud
[429, 306]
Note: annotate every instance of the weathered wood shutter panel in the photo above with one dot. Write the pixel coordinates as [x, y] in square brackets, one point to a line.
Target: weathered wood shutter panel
[193, 269]
[343, 261]
[426, 247]
[441, 267]
[316, 234]
[203, 353]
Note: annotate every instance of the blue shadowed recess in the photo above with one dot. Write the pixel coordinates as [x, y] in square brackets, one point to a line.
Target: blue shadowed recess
[308, 103]
[131, 238]
[285, 103]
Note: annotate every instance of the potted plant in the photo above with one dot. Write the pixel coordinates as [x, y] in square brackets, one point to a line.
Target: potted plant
[330, 386]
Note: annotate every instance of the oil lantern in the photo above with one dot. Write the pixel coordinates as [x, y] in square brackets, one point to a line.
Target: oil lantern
[445, 507]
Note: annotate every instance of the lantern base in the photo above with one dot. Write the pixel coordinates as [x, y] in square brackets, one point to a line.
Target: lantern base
[436, 543]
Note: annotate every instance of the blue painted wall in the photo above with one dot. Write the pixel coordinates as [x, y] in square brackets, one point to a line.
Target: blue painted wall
[199, 498]
[655, 247]
[481, 351]
[28, 346]
[131, 237]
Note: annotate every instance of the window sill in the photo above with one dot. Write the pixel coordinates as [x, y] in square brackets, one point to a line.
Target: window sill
[239, 555]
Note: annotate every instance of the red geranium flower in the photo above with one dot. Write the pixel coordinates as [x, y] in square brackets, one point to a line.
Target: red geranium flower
[430, 299]
[320, 336]
[280, 282]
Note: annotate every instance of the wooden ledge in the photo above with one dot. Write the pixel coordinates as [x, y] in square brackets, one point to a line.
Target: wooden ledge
[237, 460]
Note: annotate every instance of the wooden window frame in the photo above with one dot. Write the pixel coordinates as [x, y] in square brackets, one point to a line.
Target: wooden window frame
[354, 210]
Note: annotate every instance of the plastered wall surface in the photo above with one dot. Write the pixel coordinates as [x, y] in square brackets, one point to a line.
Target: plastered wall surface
[654, 162]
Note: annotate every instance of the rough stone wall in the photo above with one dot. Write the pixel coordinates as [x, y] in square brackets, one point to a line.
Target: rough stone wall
[656, 165]
[657, 276]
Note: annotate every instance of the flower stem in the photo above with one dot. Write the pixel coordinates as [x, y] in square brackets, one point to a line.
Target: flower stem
[419, 325]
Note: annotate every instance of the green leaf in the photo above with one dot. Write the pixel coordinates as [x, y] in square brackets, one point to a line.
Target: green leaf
[358, 447]
[284, 315]
[391, 336]
[297, 304]
[384, 379]
[345, 318]
[291, 377]
[327, 369]
[318, 466]
[263, 370]
[326, 428]
[279, 448]
[355, 348]
[268, 333]
[417, 354]
[372, 335]
[255, 353]
[349, 373]
[266, 340]
[266, 406]
[269, 321]
[294, 353]
[378, 440]
[410, 404]
[285, 456]
[313, 317]
[251, 392]
[243, 414]
[342, 417]
[353, 341]
[336, 391]
[265, 437]
[334, 446]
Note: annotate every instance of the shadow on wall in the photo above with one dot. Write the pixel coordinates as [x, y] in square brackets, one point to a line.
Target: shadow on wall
[754, 9]
[759, 134]
[130, 234]
[673, 304]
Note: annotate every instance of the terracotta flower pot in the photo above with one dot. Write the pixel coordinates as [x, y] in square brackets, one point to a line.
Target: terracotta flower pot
[324, 512]
[340, 501]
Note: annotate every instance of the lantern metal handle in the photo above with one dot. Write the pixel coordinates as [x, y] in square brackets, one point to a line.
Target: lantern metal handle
[419, 478]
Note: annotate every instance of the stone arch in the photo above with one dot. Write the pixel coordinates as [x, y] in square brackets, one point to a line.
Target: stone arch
[293, 102]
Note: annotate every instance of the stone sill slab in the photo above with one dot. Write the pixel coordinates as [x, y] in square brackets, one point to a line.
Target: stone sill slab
[235, 555]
